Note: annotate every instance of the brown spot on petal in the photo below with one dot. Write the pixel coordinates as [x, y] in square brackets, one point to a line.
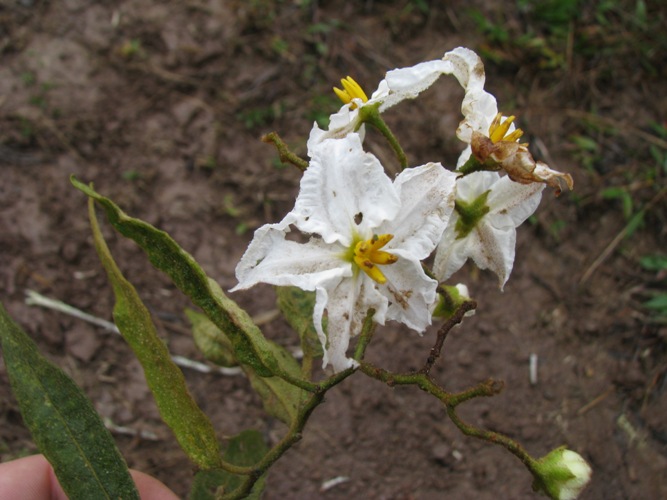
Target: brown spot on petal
[401, 297]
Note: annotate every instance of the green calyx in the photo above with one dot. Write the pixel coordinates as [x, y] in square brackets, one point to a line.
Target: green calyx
[449, 301]
[470, 213]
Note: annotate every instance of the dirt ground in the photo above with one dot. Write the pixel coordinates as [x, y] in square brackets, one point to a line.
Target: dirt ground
[162, 105]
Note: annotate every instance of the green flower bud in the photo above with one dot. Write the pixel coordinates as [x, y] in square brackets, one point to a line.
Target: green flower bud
[562, 474]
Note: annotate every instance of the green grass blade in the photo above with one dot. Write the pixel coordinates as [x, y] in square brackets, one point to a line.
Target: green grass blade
[190, 425]
[63, 422]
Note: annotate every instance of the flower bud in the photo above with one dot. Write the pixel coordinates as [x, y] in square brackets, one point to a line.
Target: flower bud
[450, 298]
[562, 474]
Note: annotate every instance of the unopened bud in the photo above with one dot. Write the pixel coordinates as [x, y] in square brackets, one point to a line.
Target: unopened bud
[562, 474]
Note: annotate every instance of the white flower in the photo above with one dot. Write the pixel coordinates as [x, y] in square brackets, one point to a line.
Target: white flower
[562, 474]
[491, 137]
[489, 208]
[398, 85]
[368, 236]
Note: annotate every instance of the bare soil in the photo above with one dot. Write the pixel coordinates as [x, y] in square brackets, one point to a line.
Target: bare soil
[162, 105]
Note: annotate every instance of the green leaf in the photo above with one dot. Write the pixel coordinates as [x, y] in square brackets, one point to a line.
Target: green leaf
[213, 344]
[250, 346]
[190, 425]
[654, 262]
[280, 398]
[297, 307]
[621, 194]
[659, 303]
[634, 223]
[63, 422]
[245, 449]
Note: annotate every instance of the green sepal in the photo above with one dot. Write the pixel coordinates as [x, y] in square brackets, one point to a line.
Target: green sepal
[280, 398]
[250, 346]
[470, 213]
[192, 428]
[63, 422]
[449, 301]
[472, 165]
[244, 449]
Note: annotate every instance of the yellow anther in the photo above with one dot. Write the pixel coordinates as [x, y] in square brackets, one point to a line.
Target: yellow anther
[351, 90]
[367, 255]
[498, 129]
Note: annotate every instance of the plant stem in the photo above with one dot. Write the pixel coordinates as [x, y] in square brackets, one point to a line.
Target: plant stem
[367, 330]
[493, 437]
[371, 115]
[470, 166]
[286, 156]
[456, 318]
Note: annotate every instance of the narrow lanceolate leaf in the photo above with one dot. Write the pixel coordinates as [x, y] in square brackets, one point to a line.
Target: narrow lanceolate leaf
[244, 449]
[63, 422]
[250, 346]
[281, 399]
[190, 425]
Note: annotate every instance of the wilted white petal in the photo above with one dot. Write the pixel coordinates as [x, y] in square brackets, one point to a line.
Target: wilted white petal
[408, 83]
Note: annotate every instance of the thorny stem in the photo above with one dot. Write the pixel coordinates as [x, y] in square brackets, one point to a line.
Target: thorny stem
[371, 115]
[286, 156]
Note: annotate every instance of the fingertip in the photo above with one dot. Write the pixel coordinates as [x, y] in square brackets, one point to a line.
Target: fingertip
[150, 488]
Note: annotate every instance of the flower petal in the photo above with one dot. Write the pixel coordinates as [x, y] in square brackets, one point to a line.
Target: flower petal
[408, 83]
[347, 304]
[410, 293]
[271, 258]
[452, 253]
[343, 190]
[495, 248]
[518, 201]
[478, 107]
[471, 186]
[427, 201]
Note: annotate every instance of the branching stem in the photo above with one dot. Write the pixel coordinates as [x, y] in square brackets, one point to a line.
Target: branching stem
[456, 318]
[286, 156]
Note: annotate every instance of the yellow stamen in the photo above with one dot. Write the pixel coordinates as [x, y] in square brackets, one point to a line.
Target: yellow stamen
[498, 130]
[367, 255]
[351, 90]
